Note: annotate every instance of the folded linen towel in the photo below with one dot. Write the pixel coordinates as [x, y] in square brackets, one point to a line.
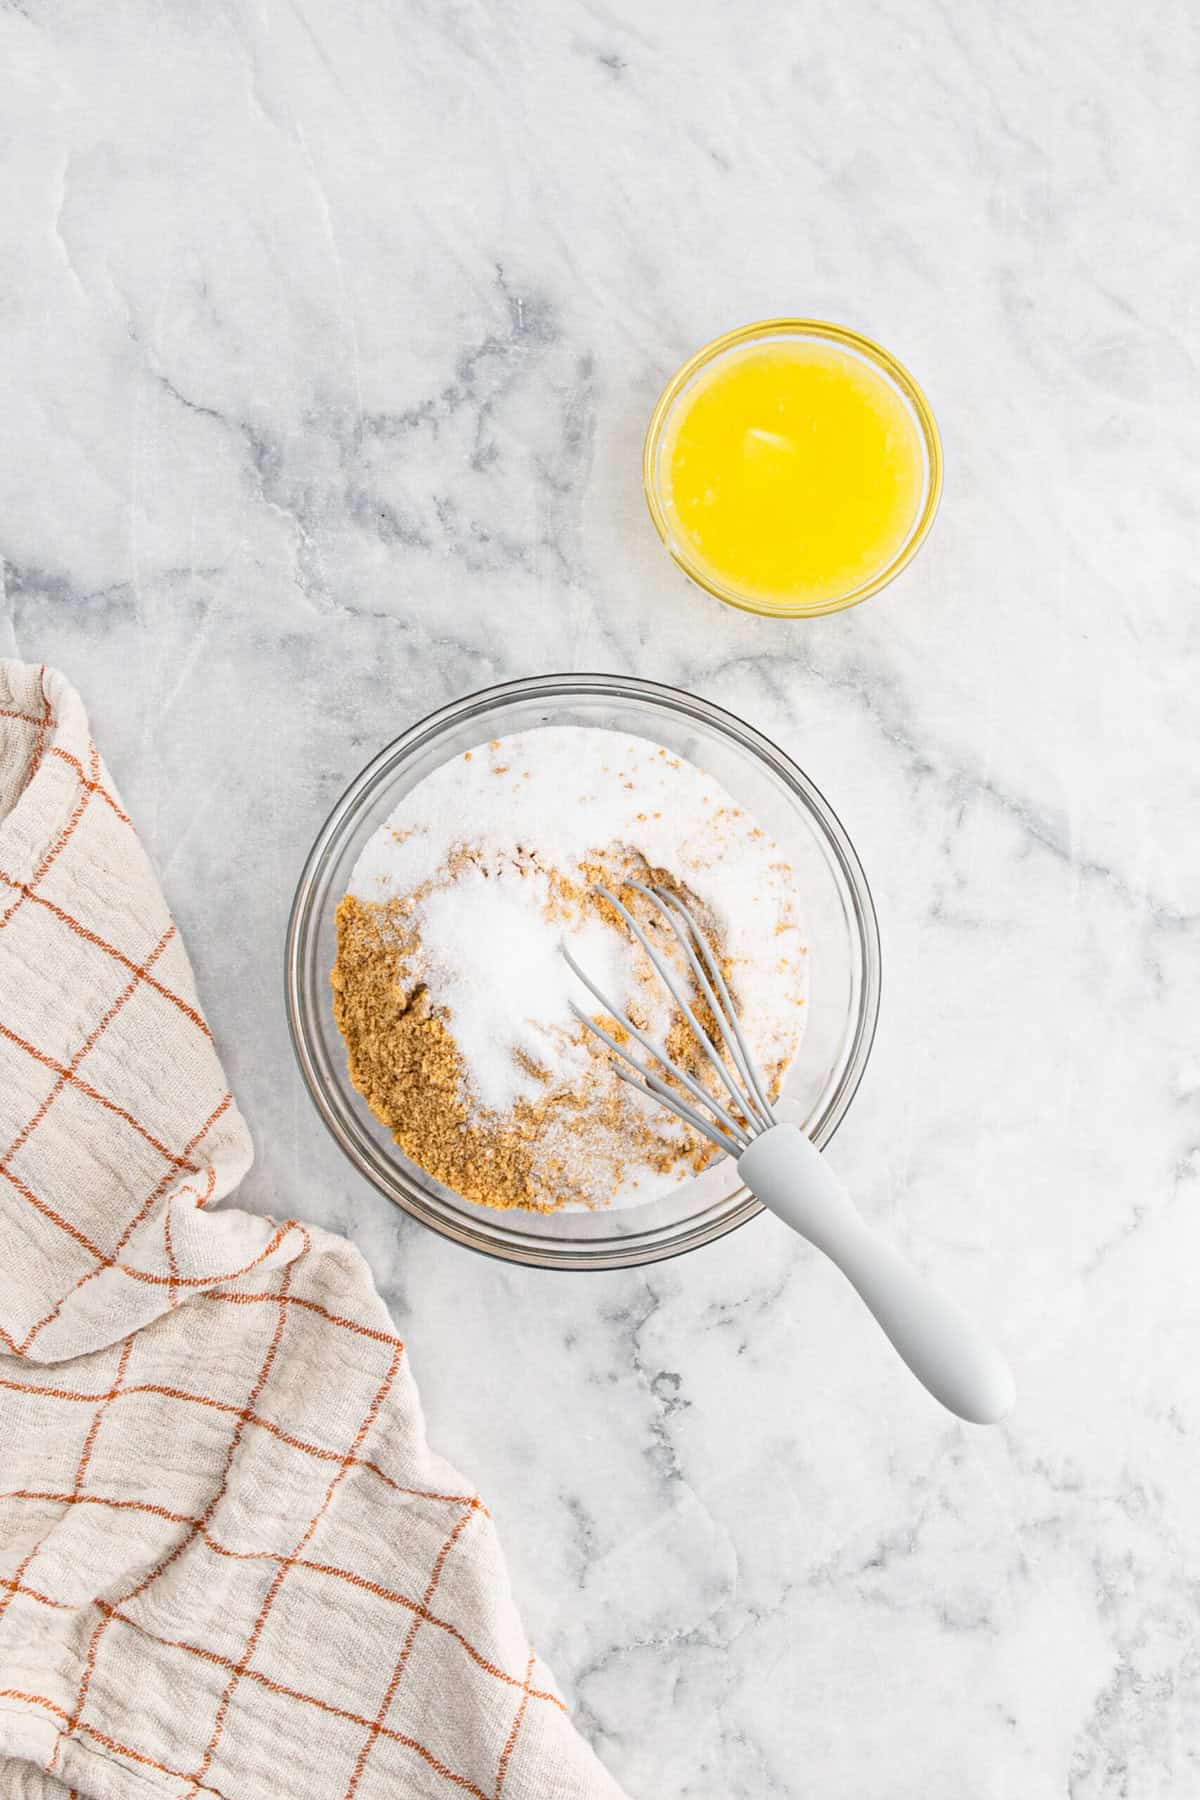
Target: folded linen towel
[230, 1565]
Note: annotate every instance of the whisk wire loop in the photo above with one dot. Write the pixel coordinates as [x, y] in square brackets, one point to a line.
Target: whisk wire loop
[658, 1091]
[723, 1010]
[755, 1115]
[730, 1125]
[665, 974]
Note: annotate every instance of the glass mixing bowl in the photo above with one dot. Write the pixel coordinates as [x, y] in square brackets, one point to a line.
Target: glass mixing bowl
[835, 902]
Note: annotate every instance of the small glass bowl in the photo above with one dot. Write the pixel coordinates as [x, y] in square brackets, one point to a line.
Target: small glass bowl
[898, 379]
[836, 908]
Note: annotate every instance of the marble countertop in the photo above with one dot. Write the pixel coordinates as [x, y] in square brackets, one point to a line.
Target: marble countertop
[330, 333]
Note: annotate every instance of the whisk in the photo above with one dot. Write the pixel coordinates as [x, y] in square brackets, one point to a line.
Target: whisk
[784, 1170]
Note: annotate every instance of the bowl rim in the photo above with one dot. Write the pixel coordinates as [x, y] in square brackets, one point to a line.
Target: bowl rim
[511, 1247]
[888, 365]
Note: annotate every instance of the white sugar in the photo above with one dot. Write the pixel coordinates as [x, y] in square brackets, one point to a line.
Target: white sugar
[480, 849]
[492, 960]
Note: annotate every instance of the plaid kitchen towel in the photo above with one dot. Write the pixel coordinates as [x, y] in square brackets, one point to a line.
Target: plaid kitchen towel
[230, 1565]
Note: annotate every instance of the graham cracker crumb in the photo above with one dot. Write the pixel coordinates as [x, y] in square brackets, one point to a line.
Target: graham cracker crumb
[403, 1059]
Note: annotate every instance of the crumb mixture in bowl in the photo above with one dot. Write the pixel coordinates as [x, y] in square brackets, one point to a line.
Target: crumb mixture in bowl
[454, 1001]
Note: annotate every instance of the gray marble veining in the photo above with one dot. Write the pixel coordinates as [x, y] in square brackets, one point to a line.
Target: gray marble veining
[330, 333]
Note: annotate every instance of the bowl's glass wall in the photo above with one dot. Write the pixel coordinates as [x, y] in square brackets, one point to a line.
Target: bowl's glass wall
[835, 903]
